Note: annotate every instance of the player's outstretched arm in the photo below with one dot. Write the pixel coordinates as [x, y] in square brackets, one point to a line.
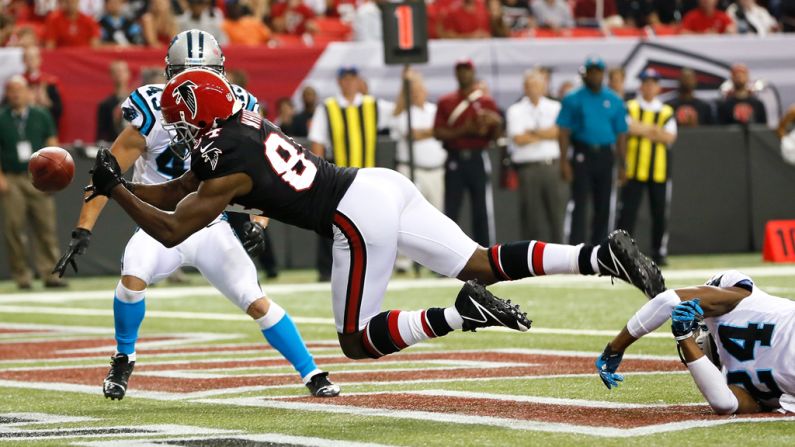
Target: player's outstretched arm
[193, 213]
[167, 195]
[127, 148]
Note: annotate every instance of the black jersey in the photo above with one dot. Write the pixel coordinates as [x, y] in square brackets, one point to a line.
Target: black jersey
[290, 184]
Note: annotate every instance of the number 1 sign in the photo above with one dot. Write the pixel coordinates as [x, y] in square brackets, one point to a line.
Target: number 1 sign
[405, 27]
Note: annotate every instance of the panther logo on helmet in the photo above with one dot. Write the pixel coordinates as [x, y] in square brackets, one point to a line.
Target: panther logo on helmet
[186, 92]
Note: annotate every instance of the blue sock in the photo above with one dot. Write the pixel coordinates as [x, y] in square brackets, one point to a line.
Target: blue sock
[281, 332]
[127, 318]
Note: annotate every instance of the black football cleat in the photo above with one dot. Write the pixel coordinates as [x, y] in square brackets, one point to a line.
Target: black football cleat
[115, 384]
[320, 386]
[621, 258]
[479, 308]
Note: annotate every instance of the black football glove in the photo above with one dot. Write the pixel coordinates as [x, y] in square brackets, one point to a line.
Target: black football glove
[105, 175]
[77, 246]
[253, 237]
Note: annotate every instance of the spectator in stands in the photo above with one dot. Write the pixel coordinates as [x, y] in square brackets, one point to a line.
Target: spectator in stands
[68, 27]
[708, 19]
[593, 123]
[615, 80]
[244, 26]
[43, 86]
[303, 119]
[751, 18]
[292, 17]
[498, 26]
[468, 20]
[367, 22]
[467, 122]
[155, 75]
[159, 23]
[652, 130]
[202, 15]
[535, 152]
[429, 155]
[586, 13]
[553, 14]
[564, 89]
[688, 109]
[110, 122]
[24, 129]
[285, 115]
[7, 28]
[347, 143]
[117, 28]
[517, 16]
[740, 105]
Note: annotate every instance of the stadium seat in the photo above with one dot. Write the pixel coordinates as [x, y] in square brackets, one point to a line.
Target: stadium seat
[627, 32]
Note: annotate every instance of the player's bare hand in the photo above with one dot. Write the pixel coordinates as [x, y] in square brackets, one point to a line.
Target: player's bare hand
[81, 237]
[622, 176]
[566, 172]
[3, 184]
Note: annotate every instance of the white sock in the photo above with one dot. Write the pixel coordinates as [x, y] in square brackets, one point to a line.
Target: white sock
[453, 318]
[594, 260]
[558, 259]
[274, 315]
[130, 357]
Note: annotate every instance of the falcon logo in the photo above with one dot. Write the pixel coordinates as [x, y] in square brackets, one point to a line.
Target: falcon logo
[210, 155]
[186, 92]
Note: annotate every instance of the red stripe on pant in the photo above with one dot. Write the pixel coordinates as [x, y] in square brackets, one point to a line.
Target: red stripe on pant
[394, 331]
[358, 268]
[538, 258]
[494, 252]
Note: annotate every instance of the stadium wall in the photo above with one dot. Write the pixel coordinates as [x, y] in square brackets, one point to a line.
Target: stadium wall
[277, 72]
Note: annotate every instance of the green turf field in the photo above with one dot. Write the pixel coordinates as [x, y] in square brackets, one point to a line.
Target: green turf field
[205, 377]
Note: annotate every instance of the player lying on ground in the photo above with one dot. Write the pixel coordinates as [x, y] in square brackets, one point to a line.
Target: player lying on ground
[242, 161]
[750, 335]
[213, 250]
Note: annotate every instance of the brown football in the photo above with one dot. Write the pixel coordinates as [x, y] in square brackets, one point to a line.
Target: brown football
[51, 169]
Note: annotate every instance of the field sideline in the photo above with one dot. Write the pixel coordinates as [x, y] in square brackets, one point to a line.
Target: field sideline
[205, 376]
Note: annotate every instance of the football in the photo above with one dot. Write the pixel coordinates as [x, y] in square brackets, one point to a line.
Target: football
[51, 169]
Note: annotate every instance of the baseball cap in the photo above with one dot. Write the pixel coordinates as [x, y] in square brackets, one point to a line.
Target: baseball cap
[465, 62]
[347, 70]
[594, 62]
[650, 73]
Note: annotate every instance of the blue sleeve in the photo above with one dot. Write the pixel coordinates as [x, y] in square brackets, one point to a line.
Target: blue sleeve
[620, 118]
[567, 111]
[252, 103]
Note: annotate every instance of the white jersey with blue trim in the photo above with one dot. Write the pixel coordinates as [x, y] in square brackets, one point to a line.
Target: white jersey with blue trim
[142, 110]
[756, 343]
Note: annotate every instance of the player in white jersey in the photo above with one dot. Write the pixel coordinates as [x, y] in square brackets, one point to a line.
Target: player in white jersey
[745, 363]
[215, 251]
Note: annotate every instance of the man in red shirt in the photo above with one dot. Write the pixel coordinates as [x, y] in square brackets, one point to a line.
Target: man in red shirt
[466, 122]
[467, 20]
[292, 17]
[708, 19]
[68, 27]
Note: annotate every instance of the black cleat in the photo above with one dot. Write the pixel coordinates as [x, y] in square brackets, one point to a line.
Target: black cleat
[479, 308]
[320, 386]
[621, 258]
[115, 384]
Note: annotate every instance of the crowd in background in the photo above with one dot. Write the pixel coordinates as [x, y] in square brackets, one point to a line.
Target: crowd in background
[80, 23]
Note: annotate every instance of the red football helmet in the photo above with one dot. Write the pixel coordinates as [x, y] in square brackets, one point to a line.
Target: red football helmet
[191, 104]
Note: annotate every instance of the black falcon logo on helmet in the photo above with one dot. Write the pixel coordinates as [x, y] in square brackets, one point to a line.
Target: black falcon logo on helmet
[186, 92]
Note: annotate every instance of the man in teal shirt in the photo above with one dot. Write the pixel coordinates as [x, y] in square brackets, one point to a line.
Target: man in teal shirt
[593, 122]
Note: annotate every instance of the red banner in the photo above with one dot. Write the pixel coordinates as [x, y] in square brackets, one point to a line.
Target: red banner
[85, 81]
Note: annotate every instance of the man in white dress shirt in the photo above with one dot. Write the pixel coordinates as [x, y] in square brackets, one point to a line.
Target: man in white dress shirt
[535, 152]
[429, 155]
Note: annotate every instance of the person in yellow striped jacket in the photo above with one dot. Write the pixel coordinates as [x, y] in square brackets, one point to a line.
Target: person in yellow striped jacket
[652, 130]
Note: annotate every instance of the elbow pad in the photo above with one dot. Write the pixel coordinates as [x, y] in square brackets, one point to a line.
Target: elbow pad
[653, 314]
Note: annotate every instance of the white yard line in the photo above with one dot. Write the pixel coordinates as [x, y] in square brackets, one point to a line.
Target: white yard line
[267, 438]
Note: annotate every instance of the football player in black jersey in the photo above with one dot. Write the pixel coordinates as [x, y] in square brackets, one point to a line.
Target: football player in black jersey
[243, 163]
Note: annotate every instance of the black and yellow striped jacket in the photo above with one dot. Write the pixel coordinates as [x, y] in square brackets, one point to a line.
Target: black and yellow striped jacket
[646, 160]
[353, 131]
